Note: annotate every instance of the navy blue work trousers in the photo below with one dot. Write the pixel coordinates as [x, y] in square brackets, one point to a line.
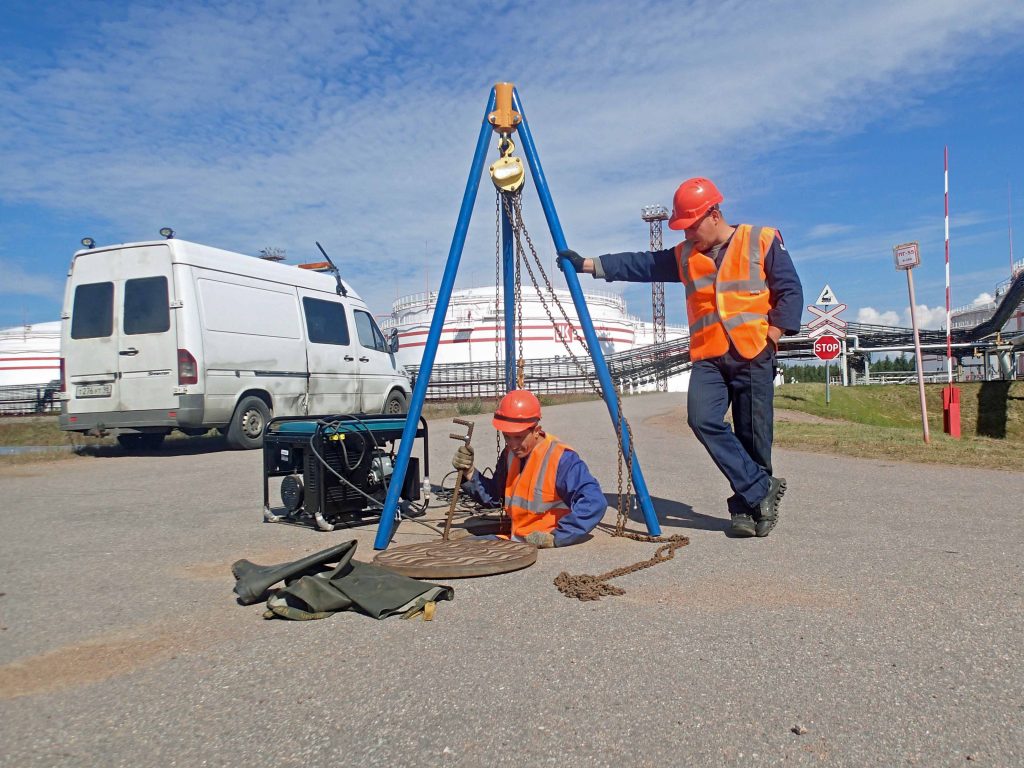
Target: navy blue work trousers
[743, 452]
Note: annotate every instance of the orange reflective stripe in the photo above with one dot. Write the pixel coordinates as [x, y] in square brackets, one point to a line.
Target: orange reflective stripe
[729, 302]
[531, 501]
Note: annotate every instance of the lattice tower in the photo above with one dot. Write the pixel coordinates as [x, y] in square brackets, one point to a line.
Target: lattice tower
[654, 215]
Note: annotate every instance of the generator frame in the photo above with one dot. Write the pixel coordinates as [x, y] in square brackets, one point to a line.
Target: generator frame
[295, 434]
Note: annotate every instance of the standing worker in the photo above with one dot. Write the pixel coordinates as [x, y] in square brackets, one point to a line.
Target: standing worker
[546, 489]
[742, 295]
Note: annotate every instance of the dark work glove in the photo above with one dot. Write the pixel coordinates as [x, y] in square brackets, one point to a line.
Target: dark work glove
[573, 258]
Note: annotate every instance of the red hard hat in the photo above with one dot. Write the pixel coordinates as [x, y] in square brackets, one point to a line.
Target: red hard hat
[692, 200]
[517, 412]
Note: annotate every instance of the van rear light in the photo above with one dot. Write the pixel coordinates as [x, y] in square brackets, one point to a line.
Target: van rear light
[188, 371]
[63, 386]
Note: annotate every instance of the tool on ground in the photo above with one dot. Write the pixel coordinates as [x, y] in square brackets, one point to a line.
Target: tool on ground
[466, 438]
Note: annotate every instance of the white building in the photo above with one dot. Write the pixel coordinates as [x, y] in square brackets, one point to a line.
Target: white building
[474, 325]
[30, 354]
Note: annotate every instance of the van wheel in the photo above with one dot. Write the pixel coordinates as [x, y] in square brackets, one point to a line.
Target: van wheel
[395, 404]
[247, 425]
[147, 441]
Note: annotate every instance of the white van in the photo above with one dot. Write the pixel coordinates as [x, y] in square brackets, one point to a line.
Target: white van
[174, 335]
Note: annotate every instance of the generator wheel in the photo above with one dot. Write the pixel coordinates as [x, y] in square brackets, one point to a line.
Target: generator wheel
[248, 423]
[395, 404]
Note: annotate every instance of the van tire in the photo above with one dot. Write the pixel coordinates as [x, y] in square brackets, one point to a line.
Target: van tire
[146, 441]
[395, 404]
[248, 424]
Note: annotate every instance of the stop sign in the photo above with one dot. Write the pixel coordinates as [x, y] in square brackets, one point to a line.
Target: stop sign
[826, 347]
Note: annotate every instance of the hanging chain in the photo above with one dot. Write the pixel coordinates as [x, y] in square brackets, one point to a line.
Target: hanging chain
[585, 586]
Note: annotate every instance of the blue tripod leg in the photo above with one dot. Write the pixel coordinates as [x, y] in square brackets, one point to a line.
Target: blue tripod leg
[600, 365]
[387, 518]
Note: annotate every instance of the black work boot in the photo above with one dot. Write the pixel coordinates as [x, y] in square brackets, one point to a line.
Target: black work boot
[253, 581]
[742, 525]
[769, 506]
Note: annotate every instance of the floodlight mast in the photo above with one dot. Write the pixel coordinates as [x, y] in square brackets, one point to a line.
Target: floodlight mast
[655, 215]
[502, 118]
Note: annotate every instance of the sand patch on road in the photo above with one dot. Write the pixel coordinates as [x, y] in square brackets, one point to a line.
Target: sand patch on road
[103, 657]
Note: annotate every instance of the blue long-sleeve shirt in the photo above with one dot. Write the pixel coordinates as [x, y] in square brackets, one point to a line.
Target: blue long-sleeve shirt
[574, 485]
[784, 289]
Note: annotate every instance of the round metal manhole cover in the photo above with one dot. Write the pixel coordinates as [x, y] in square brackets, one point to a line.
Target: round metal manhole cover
[459, 559]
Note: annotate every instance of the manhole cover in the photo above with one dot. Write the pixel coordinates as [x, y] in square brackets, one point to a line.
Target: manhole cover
[457, 559]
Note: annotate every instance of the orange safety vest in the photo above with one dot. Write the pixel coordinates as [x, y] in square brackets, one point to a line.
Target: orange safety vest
[531, 501]
[730, 302]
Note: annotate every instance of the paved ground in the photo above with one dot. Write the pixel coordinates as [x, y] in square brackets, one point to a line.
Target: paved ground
[883, 616]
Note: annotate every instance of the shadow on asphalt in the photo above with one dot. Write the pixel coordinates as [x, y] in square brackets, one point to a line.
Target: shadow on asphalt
[190, 446]
[674, 513]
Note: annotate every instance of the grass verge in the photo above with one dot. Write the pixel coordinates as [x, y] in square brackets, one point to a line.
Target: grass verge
[884, 422]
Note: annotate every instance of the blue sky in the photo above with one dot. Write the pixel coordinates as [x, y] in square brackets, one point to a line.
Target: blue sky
[247, 125]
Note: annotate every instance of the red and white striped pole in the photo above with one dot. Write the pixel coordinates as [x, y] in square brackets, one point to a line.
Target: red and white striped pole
[949, 343]
[950, 394]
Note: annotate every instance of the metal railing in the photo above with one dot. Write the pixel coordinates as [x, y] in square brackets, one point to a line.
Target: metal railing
[27, 399]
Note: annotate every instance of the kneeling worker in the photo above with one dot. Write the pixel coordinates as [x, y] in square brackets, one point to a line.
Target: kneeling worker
[546, 489]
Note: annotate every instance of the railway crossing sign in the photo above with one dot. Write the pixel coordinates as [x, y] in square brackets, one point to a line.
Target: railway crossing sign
[826, 321]
[827, 347]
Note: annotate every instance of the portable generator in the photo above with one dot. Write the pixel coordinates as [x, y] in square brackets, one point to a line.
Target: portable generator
[336, 469]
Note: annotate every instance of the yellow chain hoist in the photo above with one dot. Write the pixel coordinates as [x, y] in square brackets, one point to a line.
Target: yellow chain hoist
[507, 172]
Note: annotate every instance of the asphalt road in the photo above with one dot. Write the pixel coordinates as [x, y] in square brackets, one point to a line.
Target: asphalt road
[882, 619]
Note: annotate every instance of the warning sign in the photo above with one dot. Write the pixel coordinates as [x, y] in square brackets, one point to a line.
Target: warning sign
[826, 298]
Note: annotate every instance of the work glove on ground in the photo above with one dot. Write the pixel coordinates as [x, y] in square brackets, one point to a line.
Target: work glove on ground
[540, 540]
[463, 459]
[573, 258]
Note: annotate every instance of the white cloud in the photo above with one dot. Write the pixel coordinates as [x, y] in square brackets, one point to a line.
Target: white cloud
[927, 317]
[871, 316]
[983, 298]
[822, 231]
[249, 125]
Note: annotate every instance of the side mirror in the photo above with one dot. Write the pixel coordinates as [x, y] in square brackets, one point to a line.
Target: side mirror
[393, 341]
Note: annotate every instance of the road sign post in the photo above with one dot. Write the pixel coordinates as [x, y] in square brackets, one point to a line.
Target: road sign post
[827, 348]
[907, 256]
[827, 329]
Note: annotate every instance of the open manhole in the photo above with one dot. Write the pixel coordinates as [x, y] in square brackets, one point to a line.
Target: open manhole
[459, 559]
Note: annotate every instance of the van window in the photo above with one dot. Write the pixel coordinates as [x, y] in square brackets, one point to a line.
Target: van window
[325, 321]
[92, 315]
[369, 334]
[145, 305]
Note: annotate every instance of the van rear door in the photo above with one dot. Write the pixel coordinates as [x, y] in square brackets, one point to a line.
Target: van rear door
[122, 351]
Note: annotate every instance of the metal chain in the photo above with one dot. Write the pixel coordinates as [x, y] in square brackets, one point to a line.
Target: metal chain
[520, 360]
[585, 586]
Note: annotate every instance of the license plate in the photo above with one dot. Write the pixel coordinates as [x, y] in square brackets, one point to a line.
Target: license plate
[93, 390]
